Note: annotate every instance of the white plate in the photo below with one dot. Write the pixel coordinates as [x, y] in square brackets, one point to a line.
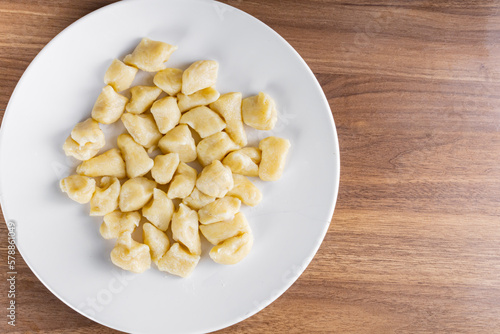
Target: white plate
[61, 243]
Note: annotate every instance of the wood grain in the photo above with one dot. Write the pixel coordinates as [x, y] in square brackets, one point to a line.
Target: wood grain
[414, 245]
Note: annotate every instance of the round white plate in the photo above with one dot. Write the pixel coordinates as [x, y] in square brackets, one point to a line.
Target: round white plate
[61, 243]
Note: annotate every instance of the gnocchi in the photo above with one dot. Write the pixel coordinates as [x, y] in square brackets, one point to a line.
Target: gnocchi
[199, 75]
[109, 106]
[215, 180]
[219, 210]
[120, 76]
[135, 193]
[150, 55]
[179, 140]
[79, 188]
[105, 198]
[169, 80]
[274, 152]
[116, 223]
[192, 122]
[131, 255]
[204, 121]
[142, 98]
[159, 210]
[110, 163]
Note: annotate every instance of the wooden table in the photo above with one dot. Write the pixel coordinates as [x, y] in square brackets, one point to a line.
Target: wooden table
[414, 245]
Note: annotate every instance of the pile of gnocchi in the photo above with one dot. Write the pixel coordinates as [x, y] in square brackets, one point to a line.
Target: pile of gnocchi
[147, 180]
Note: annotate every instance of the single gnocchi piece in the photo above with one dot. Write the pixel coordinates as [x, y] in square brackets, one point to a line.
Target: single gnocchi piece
[131, 255]
[109, 106]
[80, 152]
[259, 112]
[87, 132]
[159, 210]
[150, 55]
[169, 80]
[142, 128]
[156, 240]
[79, 188]
[165, 167]
[142, 98]
[137, 160]
[218, 232]
[203, 120]
[197, 199]
[253, 153]
[110, 163]
[199, 75]
[185, 229]
[219, 210]
[200, 98]
[274, 152]
[105, 198]
[215, 180]
[179, 140]
[135, 193]
[229, 107]
[178, 261]
[166, 113]
[183, 183]
[117, 222]
[241, 163]
[119, 76]
[215, 147]
[232, 250]
[245, 191]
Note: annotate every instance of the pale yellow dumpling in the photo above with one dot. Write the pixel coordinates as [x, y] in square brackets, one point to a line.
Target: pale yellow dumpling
[241, 163]
[142, 128]
[197, 199]
[79, 188]
[185, 229]
[119, 76]
[199, 75]
[253, 153]
[166, 113]
[274, 152]
[150, 55]
[135, 193]
[156, 240]
[109, 106]
[178, 261]
[219, 210]
[229, 107]
[81, 152]
[215, 180]
[218, 232]
[203, 120]
[110, 163]
[88, 131]
[105, 198]
[169, 80]
[200, 98]
[131, 255]
[259, 112]
[183, 183]
[159, 210]
[232, 250]
[142, 98]
[214, 147]
[117, 222]
[137, 160]
[245, 190]
[179, 140]
[165, 167]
